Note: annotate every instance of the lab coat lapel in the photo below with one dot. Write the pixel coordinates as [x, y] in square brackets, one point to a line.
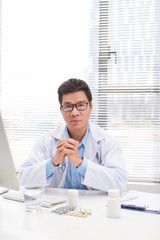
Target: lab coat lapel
[59, 132]
[92, 146]
[91, 149]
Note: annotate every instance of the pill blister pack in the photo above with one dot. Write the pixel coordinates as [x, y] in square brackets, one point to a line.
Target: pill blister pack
[72, 211]
[63, 210]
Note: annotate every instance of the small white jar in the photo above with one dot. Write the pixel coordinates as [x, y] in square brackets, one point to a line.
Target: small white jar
[73, 197]
[113, 203]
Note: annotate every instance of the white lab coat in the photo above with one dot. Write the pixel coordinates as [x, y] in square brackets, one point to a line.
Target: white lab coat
[105, 168]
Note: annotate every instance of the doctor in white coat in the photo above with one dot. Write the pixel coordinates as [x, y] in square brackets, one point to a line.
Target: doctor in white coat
[77, 154]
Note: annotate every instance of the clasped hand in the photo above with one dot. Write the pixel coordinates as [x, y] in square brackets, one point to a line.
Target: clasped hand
[67, 147]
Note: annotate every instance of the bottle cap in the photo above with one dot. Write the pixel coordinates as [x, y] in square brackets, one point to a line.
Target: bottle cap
[114, 193]
[73, 192]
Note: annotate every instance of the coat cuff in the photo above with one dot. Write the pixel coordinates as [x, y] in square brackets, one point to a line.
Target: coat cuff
[50, 168]
[83, 167]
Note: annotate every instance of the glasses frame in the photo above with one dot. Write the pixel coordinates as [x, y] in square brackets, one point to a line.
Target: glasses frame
[75, 105]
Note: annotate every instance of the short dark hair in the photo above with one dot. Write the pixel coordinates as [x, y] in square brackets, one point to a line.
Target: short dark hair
[74, 85]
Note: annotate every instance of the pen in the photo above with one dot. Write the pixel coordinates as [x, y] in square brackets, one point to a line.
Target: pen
[133, 207]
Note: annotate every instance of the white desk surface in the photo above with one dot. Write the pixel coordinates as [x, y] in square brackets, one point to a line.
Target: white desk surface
[16, 224]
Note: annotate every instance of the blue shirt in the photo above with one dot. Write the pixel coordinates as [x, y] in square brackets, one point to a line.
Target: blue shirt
[74, 174]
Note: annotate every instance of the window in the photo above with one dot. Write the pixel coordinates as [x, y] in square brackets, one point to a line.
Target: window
[113, 45]
[43, 45]
[128, 84]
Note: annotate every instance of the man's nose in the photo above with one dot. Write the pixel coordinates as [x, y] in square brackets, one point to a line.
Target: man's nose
[74, 111]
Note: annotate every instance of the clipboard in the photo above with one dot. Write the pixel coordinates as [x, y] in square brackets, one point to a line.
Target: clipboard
[145, 202]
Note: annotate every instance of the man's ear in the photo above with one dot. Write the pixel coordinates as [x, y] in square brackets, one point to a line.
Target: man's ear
[91, 105]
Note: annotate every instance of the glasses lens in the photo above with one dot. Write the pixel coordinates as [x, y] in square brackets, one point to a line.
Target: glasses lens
[67, 108]
[82, 106]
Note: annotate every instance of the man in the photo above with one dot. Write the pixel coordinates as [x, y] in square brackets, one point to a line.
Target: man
[78, 154]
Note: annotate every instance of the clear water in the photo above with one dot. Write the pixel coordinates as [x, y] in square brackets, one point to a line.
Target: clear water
[32, 201]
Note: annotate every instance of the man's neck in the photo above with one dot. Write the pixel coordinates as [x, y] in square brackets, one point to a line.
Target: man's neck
[78, 135]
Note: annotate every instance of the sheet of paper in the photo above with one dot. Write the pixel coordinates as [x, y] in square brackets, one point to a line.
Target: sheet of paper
[149, 200]
[3, 190]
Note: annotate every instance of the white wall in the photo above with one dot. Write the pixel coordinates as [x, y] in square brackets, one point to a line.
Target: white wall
[144, 187]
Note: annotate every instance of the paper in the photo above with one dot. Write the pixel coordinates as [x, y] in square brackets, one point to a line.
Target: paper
[127, 196]
[149, 201]
[3, 190]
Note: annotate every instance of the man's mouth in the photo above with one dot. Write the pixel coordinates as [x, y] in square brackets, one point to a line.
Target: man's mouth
[75, 121]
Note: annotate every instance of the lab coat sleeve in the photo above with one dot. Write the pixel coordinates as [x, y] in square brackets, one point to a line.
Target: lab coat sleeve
[33, 175]
[111, 173]
[33, 171]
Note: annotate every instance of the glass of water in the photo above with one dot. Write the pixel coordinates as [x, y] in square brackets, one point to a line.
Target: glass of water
[33, 198]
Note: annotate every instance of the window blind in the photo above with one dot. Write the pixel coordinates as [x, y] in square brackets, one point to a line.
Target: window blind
[113, 45]
[44, 44]
[128, 94]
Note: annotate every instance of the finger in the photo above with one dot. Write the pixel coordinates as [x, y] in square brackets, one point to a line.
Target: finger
[68, 152]
[72, 141]
[69, 141]
[61, 142]
[66, 146]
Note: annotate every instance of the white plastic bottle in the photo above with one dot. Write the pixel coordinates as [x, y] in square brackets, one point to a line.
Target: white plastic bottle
[73, 197]
[114, 203]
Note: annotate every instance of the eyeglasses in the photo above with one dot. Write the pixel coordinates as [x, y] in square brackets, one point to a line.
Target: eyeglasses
[79, 107]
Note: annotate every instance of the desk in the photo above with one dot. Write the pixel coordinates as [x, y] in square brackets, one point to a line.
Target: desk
[16, 224]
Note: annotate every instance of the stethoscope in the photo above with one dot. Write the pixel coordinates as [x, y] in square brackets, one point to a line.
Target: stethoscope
[62, 167]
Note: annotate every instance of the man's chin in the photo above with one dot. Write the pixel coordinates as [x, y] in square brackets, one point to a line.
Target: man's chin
[75, 126]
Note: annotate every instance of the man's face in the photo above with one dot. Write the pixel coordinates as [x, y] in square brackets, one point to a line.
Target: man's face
[76, 120]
